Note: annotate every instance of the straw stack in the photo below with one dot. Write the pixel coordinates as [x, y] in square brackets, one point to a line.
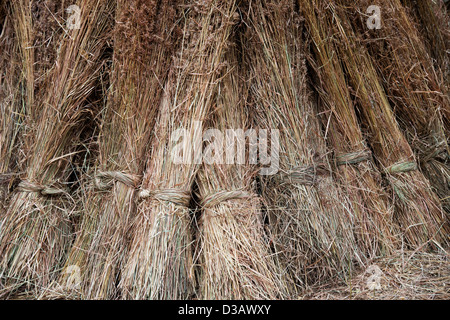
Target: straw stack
[234, 256]
[36, 230]
[143, 48]
[356, 172]
[310, 220]
[418, 210]
[159, 265]
[415, 89]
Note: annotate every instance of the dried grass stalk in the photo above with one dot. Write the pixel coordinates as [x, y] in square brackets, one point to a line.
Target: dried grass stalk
[143, 48]
[434, 25]
[415, 89]
[356, 171]
[310, 219]
[418, 210]
[234, 256]
[10, 104]
[36, 231]
[159, 265]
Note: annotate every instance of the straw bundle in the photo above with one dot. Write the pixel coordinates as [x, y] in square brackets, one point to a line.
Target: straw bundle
[28, 22]
[415, 90]
[418, 210]
[433, 18]
[234, 257]
[143, 46]
[374, 228]
[310, 220]
[160, 260]
[10, 98]
[36, 230]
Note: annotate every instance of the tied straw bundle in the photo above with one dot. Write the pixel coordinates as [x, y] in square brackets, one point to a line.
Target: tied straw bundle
[27, 32]
[358, 175]
[234, 256]
[10, 106]
[36, 231]
[28, 29]
[143, 47]
[415, 90]
[160, 262]
[418, 210]
[310, 220]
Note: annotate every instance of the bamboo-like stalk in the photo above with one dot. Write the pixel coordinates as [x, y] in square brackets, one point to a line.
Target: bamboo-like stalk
[159, 265]
[375, 230]
[36, 230]
[310, 219]
[234, 256]
[143, 48]
[415, 89]
[418, 210]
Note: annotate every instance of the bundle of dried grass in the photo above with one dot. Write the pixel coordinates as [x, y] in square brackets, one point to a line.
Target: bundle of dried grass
[36, 230]
[418, 210]
[234, 256]
[415, 89]
[374, 228]
[28, 31]
[28, 21]
[159, 265]
[143, 48]
[10, 104]
[433, 18]
[310, 219]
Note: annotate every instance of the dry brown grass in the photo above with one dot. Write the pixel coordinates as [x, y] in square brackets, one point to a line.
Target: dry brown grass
[375, 231]
[415, 88]
[10, 105]
[403, 275]
[418, 210]
[432, 17]
[234, 257]
[160, 262]
[36, 231]
[143, 47]
[88, 180]
[310, 219]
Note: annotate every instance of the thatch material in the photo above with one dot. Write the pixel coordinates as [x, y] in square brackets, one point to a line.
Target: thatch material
[160, 262]
[234, 256]
[434, 24]
[310, 219]
[358, 176]
[403, 275]
[33, 31]
[10, 111]
[10, 104]
[29, 29]
[143, 48]
[36, 231]
[415, 89]
[418, 210]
